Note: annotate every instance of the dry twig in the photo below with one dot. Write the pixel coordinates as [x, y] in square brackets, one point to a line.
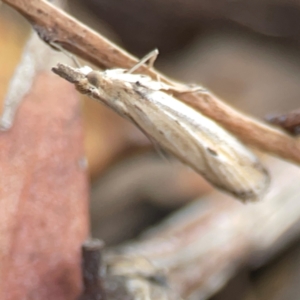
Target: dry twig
[91, 265]
[53, 25]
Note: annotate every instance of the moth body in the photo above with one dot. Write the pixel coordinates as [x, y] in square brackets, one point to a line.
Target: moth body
[189, 135]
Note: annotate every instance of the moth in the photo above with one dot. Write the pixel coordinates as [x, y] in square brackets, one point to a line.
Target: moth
[190, 136]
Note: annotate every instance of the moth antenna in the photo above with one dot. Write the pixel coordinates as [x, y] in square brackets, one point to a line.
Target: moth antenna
[151, 57]
[58, 47]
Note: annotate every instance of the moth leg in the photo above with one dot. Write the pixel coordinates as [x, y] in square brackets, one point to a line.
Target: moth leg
[160, 151]
[151, 57]
[58, 47]
[158, 78]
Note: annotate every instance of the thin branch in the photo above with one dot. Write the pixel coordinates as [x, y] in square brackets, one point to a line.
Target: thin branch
[54, 25]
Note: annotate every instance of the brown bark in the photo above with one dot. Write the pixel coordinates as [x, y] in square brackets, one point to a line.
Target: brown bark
[43, 185]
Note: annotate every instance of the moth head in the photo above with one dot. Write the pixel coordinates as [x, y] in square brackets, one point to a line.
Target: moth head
[94, 78]
[91, 83]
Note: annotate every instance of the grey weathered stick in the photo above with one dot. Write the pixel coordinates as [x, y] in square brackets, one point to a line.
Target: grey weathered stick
[56, 26]
[201, 247]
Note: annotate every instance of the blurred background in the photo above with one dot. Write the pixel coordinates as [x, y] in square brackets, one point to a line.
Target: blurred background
[246, 52]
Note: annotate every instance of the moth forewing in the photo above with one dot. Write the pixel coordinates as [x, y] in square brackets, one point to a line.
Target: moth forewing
[200, 142]
[193, 138]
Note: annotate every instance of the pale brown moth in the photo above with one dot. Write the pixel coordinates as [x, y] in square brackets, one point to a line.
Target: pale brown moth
[178, 128]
